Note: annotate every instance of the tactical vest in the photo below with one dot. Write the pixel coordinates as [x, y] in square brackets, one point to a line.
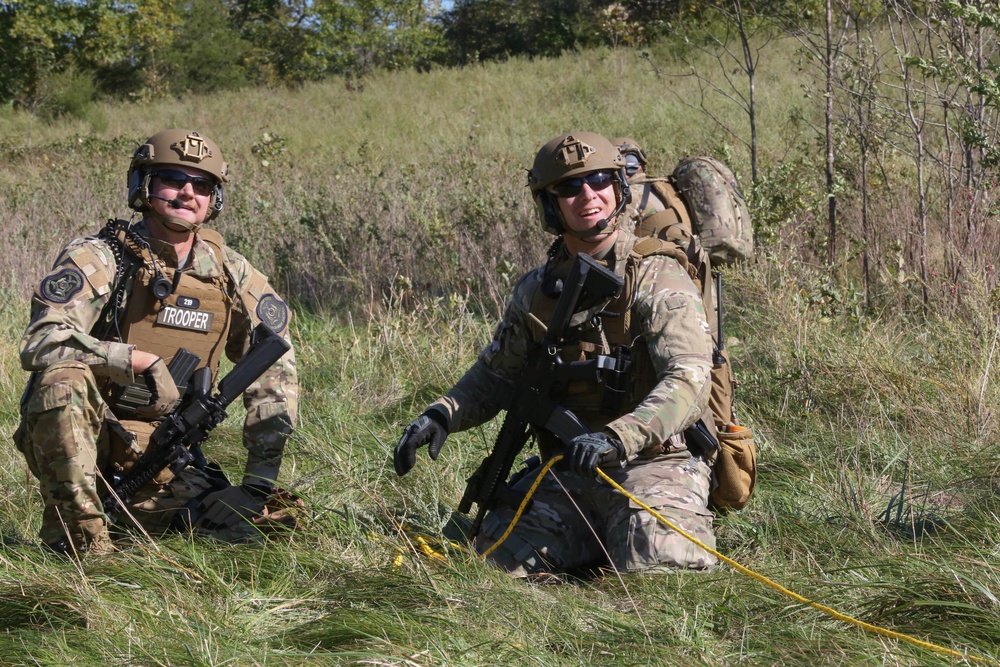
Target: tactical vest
[627, 375]
[196, 316]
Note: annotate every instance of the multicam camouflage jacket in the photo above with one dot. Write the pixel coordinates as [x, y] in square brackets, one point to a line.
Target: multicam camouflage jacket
[668, 333]
[71, 298]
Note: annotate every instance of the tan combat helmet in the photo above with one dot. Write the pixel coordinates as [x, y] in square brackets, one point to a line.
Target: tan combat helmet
[635, 157]
[571, 155]
[177, 148]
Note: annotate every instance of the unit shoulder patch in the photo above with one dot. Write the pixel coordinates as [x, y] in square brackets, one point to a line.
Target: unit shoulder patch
[62, 286]
[273, 312]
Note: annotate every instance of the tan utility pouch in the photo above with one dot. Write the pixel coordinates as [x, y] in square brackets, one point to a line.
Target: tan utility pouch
[129, 439]
[735, 468]
[720, 401]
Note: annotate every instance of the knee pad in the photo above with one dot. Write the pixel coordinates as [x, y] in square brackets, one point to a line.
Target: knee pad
[514, 553]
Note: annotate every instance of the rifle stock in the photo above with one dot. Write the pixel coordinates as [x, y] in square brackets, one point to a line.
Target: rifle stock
[528, 402]
[176, 442]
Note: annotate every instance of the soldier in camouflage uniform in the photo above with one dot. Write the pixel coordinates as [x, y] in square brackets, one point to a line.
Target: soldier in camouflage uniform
[107, 320]
[580, 190]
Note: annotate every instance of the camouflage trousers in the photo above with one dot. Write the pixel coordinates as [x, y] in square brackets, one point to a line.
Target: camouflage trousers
[586, 523]
[64, 435]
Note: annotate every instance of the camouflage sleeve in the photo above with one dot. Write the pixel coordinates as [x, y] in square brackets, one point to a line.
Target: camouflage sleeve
[680, 346]
[64, 309]
[272, 402]
[473, 399]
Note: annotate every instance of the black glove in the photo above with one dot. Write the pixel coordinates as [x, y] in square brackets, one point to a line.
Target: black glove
[232, 507]
[585, 452]
[429, 427]
[163, 391]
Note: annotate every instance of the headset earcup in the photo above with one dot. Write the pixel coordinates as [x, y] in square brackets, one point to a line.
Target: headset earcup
[218, 201]
[550, 214]
[136, 197]
[626, 190]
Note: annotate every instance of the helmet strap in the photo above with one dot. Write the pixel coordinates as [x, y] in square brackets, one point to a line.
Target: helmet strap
[171, 222]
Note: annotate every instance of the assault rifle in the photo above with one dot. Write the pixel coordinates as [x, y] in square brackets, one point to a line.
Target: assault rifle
[529, 403]
[176, 442]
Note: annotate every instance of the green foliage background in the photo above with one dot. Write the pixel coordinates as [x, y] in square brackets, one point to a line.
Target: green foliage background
[395, 218]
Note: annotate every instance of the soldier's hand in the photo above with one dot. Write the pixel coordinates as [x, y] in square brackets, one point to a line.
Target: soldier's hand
[163, 391]
[232, 507]
[429, 427]
[585, 452]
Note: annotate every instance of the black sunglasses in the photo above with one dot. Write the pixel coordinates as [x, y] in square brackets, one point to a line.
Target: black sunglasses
[571, 187]
[178, 179]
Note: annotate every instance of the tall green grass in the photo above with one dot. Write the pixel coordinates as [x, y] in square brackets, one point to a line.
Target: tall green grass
[396, 218]
[420, 175]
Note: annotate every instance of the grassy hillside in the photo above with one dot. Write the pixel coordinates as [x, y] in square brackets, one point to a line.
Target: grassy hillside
[396, 218]
[414, 175]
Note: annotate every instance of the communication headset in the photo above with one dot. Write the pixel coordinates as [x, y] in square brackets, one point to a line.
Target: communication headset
[631, 164]
[138, 194]
[135, 188]
[550, 210]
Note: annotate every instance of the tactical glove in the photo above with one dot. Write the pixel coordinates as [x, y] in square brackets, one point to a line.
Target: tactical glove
[231, 507]
[163, 391]
[430, 427]
[585, 452]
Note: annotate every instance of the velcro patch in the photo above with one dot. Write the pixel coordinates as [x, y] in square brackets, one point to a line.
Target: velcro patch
[273, 312]
[62, 286]
[184, 318]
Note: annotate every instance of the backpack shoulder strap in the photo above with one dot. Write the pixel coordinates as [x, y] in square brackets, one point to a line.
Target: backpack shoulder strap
[648, 246]
[673, 222]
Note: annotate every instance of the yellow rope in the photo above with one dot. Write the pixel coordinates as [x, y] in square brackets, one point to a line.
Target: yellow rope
[745, 570]
[524, 503]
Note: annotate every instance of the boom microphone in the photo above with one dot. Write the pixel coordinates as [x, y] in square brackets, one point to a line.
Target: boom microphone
[602, 225]
[626, 197]
[174, 203]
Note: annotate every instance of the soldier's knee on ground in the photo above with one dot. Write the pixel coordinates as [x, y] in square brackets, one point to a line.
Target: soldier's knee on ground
[514, 556]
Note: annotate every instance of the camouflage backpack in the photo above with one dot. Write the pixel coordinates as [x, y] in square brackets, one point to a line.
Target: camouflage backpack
[711, 207]
[719, 214]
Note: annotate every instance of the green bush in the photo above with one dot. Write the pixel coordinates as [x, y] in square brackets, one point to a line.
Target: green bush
[70, 92]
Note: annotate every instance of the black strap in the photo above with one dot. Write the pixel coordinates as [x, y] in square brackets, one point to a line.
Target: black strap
[645, 198]
[126, 269]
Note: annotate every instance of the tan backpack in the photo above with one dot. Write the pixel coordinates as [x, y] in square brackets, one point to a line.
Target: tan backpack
[701, 197]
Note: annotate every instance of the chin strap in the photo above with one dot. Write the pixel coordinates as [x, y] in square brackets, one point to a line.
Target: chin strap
[174, 223]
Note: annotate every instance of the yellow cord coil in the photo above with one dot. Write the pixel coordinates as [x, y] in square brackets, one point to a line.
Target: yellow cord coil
[745, 570]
